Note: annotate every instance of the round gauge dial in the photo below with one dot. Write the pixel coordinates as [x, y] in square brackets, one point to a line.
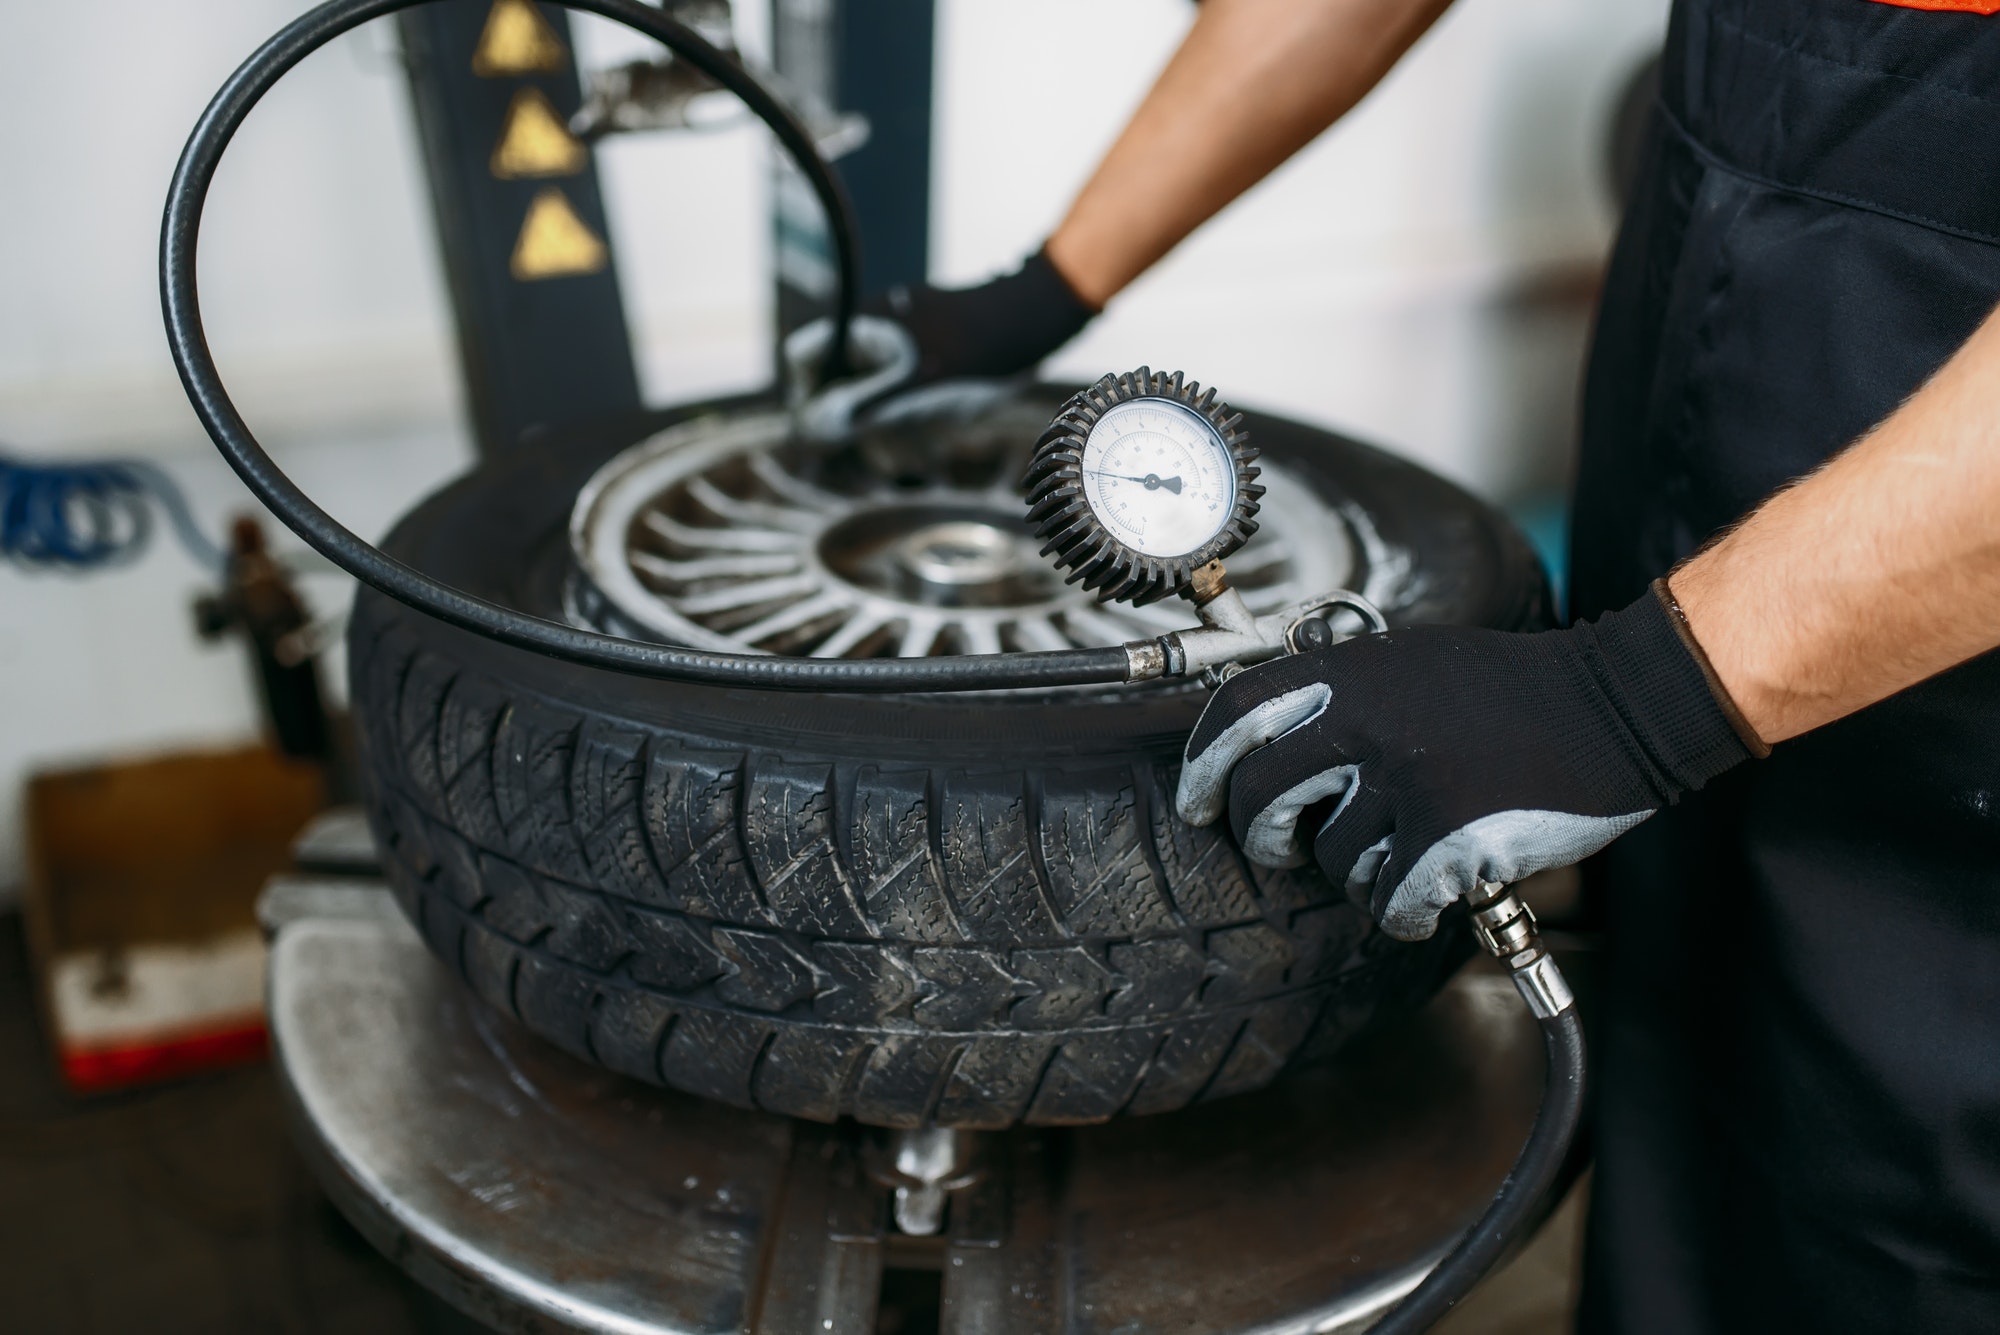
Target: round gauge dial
[1141, 480]
[1159, 477]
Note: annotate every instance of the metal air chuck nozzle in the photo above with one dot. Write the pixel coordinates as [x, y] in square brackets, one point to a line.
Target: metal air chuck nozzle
[1506, 928]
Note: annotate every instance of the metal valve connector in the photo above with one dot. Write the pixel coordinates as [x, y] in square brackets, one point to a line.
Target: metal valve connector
[1231, 637]
[1505, 927]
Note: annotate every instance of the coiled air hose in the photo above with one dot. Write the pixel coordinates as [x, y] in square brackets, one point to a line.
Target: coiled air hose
[84, 516]
[1540, 1160]
[179, 236]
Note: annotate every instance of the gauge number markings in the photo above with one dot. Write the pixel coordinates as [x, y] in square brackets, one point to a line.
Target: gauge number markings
[1146, 445]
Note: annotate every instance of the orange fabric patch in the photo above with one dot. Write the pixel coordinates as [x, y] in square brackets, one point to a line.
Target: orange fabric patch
[1959, 6]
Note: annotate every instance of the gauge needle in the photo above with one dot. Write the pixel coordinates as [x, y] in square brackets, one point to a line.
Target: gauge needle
[1152, 481]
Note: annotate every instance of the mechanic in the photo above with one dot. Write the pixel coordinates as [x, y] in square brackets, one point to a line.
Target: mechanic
[1779, 701]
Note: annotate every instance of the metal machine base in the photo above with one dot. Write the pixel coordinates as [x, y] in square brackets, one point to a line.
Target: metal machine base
[538, 1193]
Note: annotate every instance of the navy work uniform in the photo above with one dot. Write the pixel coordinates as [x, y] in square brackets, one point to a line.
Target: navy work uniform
[1799, 1064]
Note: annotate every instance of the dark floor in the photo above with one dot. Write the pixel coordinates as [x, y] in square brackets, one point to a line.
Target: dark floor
[181, 1208]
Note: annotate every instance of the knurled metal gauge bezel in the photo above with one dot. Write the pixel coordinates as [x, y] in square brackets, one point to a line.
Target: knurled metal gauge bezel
[1080, 540]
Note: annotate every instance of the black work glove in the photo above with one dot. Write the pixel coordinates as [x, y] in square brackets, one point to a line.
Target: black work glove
[996, 329]
[1450, 755]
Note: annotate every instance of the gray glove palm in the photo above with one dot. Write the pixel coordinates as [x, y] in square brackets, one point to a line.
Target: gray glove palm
[1423, 760]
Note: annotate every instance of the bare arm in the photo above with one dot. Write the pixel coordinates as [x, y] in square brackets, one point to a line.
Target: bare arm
[1254, 82]
[1877, 571]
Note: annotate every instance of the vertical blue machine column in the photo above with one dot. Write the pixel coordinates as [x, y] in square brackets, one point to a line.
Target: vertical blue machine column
[541, 328]
[871, 58]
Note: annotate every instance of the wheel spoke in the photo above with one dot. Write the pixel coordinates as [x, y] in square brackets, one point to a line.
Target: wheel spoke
[791, 618]
[720, 539]
[1255, 559]
[1039, 633]
[856, 629]
[763, 514]
[715, 567]
[1095, 628]
[982, 636]
[919, 634]
[794, 489]
[748, 594]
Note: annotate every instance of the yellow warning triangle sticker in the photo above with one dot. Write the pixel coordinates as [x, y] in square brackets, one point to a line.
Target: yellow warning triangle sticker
[535, 142]
[554, 242]
[517, 40]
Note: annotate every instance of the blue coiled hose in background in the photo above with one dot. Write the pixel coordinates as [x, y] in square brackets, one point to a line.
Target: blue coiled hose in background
[85, 516]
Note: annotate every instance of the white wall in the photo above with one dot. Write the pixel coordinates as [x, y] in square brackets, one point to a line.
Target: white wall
[1384, 280]
[323, 302]
[1373, 284]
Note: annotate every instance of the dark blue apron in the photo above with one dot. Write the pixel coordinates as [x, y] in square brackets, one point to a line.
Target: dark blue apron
[1798, 1064]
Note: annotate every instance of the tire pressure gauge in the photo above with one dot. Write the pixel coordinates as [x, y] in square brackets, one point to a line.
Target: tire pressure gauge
[1141, 481]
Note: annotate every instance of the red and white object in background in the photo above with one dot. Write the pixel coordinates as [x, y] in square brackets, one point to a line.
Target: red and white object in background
[1953, 6]
[155, 1011]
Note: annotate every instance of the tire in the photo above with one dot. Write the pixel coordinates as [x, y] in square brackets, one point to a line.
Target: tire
[971, 912]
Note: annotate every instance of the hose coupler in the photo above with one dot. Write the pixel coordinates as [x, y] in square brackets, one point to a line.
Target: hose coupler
[1505, 927]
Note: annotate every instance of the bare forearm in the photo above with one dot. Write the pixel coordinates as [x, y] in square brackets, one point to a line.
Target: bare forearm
[1879, 570]
[1254, 82]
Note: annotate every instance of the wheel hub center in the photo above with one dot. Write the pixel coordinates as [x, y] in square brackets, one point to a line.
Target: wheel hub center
[959, 553]
[938, 556]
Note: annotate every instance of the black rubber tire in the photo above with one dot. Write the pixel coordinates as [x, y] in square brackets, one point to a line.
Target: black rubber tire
[970, 911]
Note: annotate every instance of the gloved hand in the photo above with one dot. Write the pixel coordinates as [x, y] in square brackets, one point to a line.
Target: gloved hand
[1449, 754]
[995, 329]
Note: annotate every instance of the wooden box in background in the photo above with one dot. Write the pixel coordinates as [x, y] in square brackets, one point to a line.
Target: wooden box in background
[141, 895]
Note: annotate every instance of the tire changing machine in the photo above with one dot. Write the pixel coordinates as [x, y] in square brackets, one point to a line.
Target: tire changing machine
[537, 1193]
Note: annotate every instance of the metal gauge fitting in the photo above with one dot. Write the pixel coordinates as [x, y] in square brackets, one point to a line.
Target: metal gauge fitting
[1140, 481]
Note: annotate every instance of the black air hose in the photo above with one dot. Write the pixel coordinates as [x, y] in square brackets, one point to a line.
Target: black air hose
[180, 298]
[1520, 1196]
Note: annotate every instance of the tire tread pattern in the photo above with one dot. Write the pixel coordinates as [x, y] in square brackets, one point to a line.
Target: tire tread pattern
[821, 938]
